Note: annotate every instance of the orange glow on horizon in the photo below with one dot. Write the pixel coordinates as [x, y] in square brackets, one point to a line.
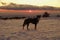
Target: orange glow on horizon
[27, 11]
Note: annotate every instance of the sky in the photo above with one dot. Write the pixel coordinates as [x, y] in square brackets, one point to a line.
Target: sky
[55, 3]
[15, 3]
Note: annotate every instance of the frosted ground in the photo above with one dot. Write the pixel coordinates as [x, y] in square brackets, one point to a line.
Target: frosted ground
[47, 29]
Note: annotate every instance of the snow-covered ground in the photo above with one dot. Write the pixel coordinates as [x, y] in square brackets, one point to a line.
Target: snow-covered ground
[47, 29]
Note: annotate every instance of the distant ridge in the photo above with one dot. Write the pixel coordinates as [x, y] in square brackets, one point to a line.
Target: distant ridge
[13, 6]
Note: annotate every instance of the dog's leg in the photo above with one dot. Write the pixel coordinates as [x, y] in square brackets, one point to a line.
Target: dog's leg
[24, 25]
[27, 26]
[35, 26]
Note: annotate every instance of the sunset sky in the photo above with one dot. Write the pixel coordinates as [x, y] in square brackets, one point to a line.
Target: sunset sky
[55, 3]
[6, 4]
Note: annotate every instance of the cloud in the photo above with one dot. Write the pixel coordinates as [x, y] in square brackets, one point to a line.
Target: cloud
[14, 6]
[3, 3]
[10, 6]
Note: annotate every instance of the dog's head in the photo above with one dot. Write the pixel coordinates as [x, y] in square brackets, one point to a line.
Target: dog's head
[38, 16]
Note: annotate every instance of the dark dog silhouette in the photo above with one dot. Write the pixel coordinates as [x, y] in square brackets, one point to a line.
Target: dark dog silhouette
[31, 20]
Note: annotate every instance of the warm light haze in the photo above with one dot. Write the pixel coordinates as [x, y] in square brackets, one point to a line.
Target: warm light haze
[55, 3]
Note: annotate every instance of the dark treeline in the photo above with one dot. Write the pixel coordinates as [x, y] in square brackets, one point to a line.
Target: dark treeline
[5, 18]
[58, 15]
[46, 14]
